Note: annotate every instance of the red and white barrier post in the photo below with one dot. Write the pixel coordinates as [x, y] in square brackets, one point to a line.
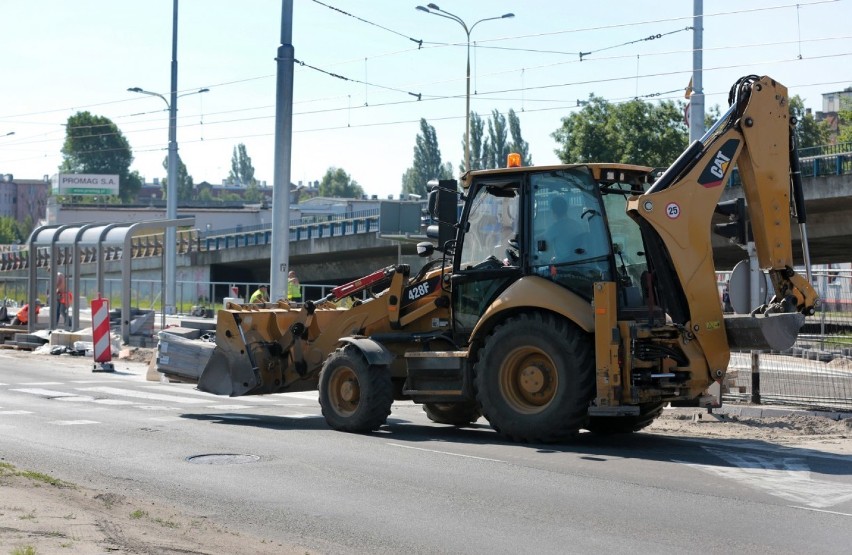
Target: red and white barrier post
[100, 336]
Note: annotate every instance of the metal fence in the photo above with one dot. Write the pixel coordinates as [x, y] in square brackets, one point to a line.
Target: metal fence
[817, 371]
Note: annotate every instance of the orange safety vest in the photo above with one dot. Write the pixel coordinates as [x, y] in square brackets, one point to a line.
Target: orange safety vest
[24, 314]
[63, 298]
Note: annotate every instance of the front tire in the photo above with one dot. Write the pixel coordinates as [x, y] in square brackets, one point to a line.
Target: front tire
[354, 396]
[535, 378]
[454, 414]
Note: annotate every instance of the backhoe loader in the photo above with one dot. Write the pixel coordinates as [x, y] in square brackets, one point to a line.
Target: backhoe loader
[562, 297]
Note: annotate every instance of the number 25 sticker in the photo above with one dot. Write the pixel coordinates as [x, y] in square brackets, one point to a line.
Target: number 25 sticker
[672, 210]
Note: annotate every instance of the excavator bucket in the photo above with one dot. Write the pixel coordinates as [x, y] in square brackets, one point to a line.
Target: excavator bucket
[227, 374]
[776, 332]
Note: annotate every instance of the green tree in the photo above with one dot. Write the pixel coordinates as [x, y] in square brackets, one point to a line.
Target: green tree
[498, 141]
[242, 172]
[634, 132]
[337, 183]
[253, 193]
[478, 144]
[518, 144]
[490, 151]
[10, 232]
[809, 132]
[185, 185]
[844, 119]
[94, 144]
[427, 163]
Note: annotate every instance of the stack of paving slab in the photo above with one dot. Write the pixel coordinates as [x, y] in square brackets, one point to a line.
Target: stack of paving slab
[181, 354]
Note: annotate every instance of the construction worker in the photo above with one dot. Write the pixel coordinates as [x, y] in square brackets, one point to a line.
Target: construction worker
[63, 300]
[294, 290]
[23, 315]
[260, 296]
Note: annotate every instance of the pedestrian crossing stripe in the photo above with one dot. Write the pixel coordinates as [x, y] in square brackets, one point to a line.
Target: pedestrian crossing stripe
[73, 422]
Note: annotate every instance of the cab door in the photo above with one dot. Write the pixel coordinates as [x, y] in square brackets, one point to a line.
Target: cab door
[488, 257]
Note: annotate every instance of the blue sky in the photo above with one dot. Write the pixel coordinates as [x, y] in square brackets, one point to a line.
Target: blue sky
[62, 56]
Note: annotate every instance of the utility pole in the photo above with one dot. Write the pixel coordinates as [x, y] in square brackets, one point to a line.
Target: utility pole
[696, 99]
[170, 250]
[280, 255]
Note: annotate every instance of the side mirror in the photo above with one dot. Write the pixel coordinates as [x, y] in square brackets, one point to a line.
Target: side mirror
[425, 249]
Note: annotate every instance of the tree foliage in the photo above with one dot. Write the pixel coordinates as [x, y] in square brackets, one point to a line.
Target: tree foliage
[185, 185]
[809, 132]
[11, 231]
[427, 163]
[337, 183]
[94, 144]
[844, 116]
[242, 172]
[634, 132]
[490, 151]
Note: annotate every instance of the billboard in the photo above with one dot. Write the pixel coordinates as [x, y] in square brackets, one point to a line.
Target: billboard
[84, 184]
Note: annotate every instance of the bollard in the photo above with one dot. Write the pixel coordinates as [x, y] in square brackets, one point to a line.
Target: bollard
[100, 336]
[755, 377]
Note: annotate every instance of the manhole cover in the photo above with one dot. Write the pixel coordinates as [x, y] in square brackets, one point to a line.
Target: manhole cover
[223, 458]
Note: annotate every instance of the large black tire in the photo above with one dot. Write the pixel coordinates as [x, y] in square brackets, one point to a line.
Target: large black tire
[354, 396]
[607, 425]
[455, 414]
[535, 378]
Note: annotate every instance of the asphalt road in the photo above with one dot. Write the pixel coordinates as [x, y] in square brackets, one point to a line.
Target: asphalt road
[415, 486]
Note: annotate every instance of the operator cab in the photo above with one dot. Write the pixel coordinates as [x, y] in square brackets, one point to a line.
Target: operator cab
[564, 224]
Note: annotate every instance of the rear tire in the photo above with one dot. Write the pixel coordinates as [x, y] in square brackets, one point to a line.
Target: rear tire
[354, 396]
[535, 378]
[454, 414]
[608, 425]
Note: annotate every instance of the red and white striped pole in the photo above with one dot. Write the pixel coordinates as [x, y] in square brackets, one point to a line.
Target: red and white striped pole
[100, 335]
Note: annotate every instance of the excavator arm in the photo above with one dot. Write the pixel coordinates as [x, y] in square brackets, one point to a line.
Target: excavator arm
[675, 217]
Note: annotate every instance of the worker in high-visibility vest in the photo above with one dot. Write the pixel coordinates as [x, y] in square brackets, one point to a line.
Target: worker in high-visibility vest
[23, 315]
[294, 290]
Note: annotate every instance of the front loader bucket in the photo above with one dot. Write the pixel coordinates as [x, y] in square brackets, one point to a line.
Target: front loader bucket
[227, 375]
[776, 332]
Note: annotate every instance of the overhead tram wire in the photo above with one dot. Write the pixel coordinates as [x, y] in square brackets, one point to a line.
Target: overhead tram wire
[419, 42]
[570, 106]
[516, 37]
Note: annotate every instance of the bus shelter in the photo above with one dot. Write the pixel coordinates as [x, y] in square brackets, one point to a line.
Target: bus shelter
[57, 238]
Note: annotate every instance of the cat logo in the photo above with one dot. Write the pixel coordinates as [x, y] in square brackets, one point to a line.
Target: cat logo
[714, 173]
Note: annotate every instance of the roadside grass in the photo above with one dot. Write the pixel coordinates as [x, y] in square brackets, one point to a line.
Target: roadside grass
[7, 469]
[25, 550]
[139, 513]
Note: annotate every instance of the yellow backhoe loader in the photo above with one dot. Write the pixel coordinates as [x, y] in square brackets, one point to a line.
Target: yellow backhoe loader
[561, 297]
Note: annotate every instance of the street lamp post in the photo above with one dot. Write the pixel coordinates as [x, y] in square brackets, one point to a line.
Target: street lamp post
[435, 10]
[170, 242]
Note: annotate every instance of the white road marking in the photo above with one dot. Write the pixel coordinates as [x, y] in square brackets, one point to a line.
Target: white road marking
[820, 510]
[45, 392]
[73, 422]
[229, 407]
[786, 477]
[446, 453]
[301, 415]
[309, 395]
[209, 396]
[143, 395]
[13, 412]
[41, 383]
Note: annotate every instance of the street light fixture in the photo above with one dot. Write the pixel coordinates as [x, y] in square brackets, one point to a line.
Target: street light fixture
[170, 247]
[435, 10]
